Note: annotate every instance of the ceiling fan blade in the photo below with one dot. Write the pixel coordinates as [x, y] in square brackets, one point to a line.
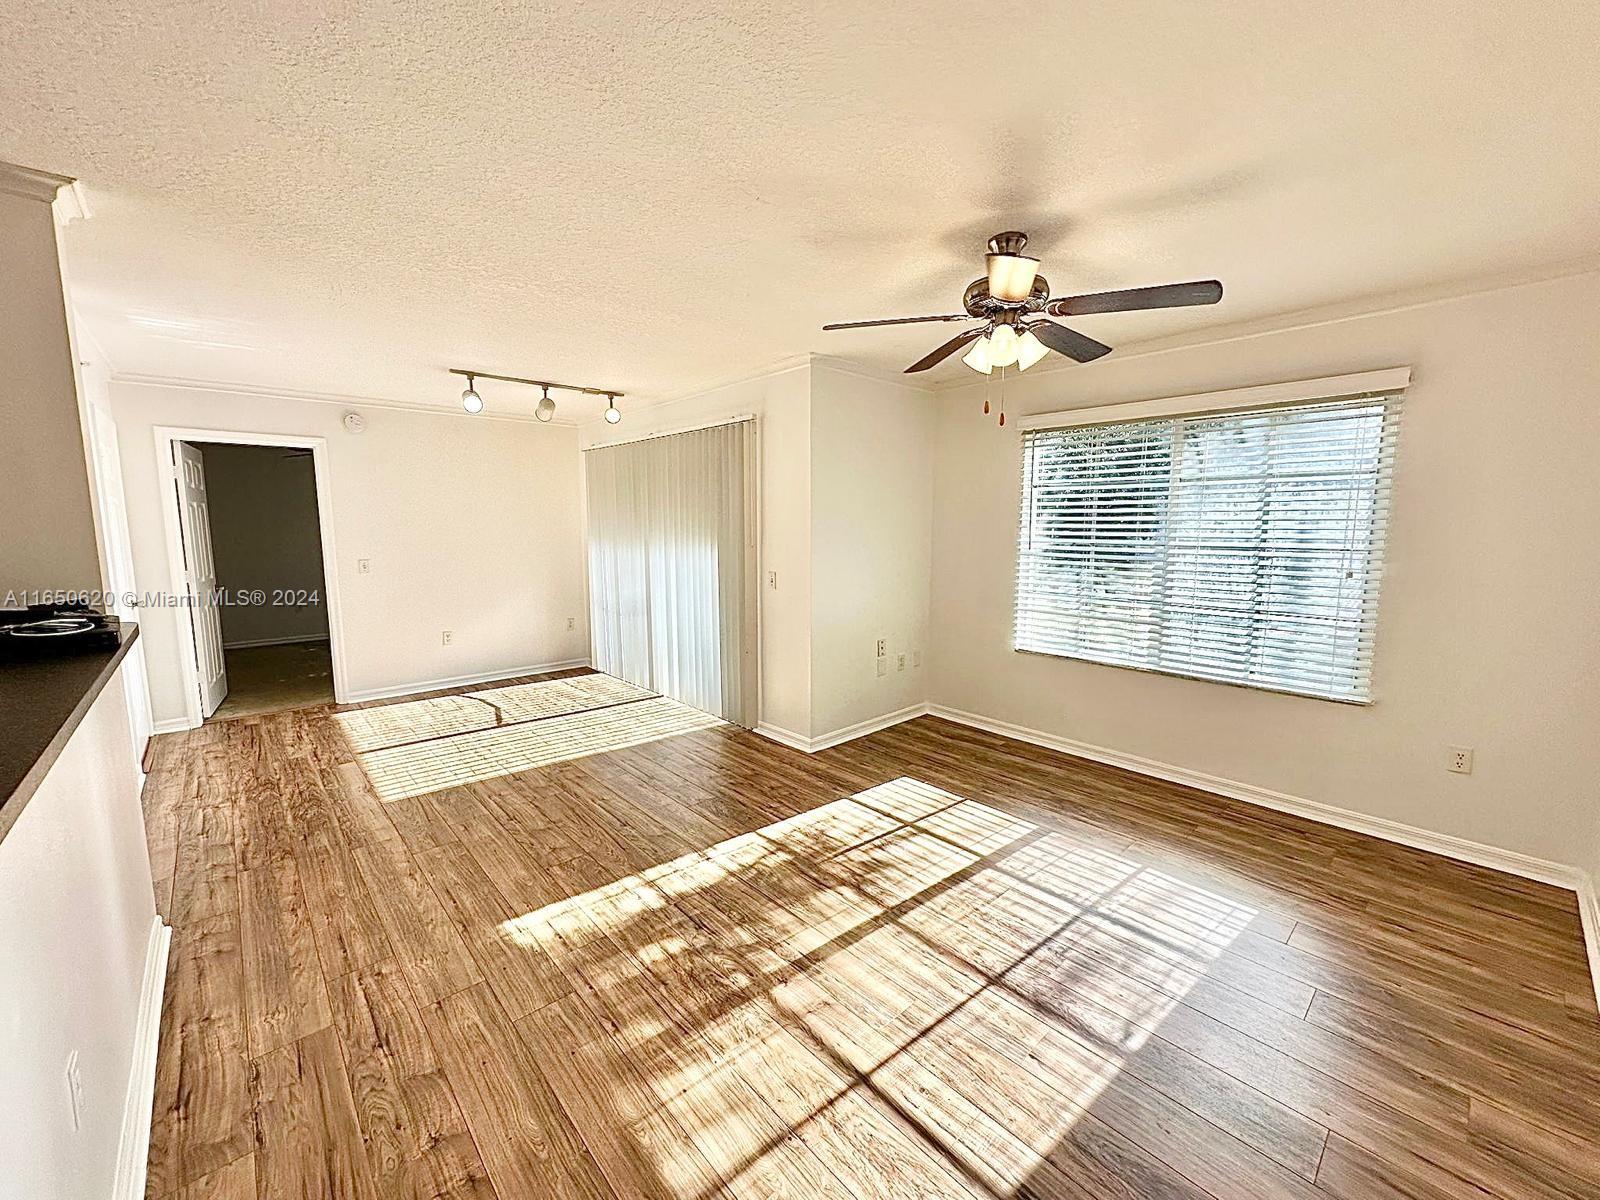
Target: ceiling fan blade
[1166, 295]
[898, 321]
[1068, 341]
[936, 357]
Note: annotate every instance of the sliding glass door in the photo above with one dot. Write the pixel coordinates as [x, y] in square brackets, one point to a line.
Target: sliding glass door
[672, 562]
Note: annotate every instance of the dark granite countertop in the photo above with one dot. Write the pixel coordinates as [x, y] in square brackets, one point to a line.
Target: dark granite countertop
[41, 705]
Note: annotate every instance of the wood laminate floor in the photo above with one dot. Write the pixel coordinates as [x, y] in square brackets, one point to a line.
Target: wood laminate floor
[565, 939]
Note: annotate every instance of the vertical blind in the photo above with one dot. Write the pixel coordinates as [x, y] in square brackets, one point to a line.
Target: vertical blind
[671, 541]
[1243, 547]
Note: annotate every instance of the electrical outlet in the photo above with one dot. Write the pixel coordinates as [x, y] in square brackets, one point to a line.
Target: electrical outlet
[883, 647]
[899, 662]
[572, 622]
[363, 566]
[772, 580]
[1460, 760]
[446, 635]
[75, 1090]
[883, 667]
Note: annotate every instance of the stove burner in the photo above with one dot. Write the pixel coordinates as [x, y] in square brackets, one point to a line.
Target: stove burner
[57, 627]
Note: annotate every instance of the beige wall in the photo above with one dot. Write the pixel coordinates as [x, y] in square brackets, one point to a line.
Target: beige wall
[871, 545]
[47, 536]
[846, 524]
[470, 524]
[1488, 631]
[265, 538]
[781, 403]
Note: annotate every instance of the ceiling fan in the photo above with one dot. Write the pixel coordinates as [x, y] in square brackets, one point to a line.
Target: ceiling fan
[1014, 303]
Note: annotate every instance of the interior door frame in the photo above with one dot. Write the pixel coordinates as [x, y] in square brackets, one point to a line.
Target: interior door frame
[177, 575]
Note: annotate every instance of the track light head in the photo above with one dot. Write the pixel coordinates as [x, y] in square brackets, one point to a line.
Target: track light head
[545, 410]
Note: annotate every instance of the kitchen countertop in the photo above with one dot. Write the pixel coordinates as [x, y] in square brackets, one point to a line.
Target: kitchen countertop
[42, 702]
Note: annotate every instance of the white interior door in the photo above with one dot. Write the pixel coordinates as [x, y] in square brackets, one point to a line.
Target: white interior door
[200, 570]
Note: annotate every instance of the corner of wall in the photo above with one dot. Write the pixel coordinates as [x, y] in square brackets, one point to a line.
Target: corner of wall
[871, 477]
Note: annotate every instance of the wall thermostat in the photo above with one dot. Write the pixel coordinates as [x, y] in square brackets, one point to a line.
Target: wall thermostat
[355, 422]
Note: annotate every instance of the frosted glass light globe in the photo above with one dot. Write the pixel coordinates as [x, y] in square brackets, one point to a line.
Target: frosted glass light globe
[1029, 350]
[1003, 346]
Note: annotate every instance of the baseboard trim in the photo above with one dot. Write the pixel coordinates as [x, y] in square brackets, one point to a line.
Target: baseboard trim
[171, 725]
[871, 725]
[784, 737]
[1510, 861]
[133, 1147]
[810, 745]
[1477, 853]
[437, 685]
[1589, 913]
[308, 638]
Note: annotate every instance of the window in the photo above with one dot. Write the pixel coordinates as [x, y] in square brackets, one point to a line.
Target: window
[1242, 546]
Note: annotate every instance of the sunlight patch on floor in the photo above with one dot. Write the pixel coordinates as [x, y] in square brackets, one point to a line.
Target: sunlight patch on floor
[902, 949]
[419, 767]
[442, 716]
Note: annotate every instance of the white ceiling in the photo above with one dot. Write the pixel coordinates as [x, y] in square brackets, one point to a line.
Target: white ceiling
[653, 197]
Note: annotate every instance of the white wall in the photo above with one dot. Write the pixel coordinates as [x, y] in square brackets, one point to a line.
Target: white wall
[1488, 631]
[781, 402]
[471, 524]
[47, 536]
[871, 544]
[262, 502]
[79, 911]
[111, 521]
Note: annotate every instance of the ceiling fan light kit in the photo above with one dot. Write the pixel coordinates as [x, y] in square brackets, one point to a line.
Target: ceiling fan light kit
[1029, 350]
[1003, 341]
[1011, 272]
[1014, 303]
[978, 357]
[545, 410]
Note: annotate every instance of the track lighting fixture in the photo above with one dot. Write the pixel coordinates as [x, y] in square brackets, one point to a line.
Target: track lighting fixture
[545, 410]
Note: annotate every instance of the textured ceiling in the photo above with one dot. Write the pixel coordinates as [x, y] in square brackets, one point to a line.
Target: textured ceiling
[657, 196]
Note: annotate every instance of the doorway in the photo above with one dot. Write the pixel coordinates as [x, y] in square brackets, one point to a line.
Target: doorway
[250, 546]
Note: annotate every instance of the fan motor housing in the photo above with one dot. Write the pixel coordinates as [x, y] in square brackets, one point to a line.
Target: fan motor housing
[977, 301]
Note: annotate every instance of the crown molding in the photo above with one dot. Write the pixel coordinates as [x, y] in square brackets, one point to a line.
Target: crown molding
[72, 203]
[862, 371]
[137, 379]
[783, 366]
[1311, 318]
[31, 183]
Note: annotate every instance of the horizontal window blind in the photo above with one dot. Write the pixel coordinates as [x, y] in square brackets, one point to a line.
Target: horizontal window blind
[1243, 547]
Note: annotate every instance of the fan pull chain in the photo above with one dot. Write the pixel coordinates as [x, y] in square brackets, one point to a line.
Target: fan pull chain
[1002, 397]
